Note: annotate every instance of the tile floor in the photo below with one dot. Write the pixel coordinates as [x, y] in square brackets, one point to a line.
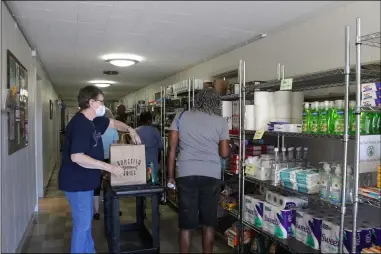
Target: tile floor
[51, 231]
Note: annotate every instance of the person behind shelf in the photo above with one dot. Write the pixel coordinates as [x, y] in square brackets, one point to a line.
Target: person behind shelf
[110, 137]
[121, 114]
[203, 137]
[82, 162]
[151, 138]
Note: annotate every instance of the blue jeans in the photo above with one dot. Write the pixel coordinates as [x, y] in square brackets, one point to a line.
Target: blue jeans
[81, 205]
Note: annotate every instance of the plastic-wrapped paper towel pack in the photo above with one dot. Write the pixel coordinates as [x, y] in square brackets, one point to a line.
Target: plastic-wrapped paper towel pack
[254, 208]
[278, 222]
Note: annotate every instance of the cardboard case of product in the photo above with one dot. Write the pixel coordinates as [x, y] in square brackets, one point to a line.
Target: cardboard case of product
[132, 159]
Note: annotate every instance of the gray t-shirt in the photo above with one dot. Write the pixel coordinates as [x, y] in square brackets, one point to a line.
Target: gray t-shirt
[199, 136]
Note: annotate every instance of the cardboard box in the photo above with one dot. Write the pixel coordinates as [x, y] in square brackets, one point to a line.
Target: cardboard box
[132, 159]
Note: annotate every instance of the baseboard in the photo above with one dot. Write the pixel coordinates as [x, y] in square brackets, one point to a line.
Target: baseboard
[26, 233]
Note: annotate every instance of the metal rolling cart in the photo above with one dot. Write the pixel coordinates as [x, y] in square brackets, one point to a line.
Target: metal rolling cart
[132, 237]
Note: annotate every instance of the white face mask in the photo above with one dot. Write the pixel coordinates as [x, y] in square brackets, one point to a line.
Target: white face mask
[100, 111]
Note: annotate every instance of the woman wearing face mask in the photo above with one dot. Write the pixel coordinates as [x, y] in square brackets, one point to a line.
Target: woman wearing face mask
[82, 162]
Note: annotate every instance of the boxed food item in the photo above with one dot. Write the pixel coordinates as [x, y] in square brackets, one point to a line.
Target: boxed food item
[371, 87]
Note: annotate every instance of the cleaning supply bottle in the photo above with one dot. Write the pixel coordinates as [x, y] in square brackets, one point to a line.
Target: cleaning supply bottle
[290, 158]
[352, 118]
[283, 159]
[305, 159]
[275, 167]
[323, 117]
[350, 185]
[298, 157]
[306, 118]
[375, 121]
[338, 117]
[325, 181]
[330, 117]
[368, 119]
[314, 117]
[336, 186]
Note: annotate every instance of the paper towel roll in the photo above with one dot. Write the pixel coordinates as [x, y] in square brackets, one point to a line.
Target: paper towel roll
[261, 117]
[296, 114]
[297, 99]
[227, 108]
[285, 202]
[283, 112]
[249, 117]
[282, 97]
[272, 115]
[261, 98]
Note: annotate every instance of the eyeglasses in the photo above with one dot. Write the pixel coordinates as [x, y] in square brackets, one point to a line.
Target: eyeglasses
[100, 101]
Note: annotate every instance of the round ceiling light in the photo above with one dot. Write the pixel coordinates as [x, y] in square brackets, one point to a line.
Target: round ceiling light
[122, 62]
[102, 85]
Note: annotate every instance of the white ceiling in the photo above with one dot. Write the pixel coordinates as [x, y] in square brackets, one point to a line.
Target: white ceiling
[70, 37]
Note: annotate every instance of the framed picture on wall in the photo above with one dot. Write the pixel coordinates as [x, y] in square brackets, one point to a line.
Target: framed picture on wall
[50, 109]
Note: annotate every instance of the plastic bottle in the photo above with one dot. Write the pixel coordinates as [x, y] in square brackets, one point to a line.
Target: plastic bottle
[325, 181]
[290, 158]
[330, 117]
[298, 157]
[283, 159]
[368, 120]
[275, 167]
[323, 117]
[336, 186]
[375, 123]
[154, 179]
[352, 118]
[338, 117]
[350, 185]
[306, 119]
[305, 159]
[314, 117]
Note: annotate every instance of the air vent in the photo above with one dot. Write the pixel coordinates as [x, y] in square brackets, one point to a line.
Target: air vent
[110, 73]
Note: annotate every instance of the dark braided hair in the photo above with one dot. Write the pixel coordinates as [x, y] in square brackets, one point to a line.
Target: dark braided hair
[208, 101]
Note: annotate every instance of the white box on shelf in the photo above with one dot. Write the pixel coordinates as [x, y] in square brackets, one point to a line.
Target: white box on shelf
[371, 87]
[370, 153]
[371, 102]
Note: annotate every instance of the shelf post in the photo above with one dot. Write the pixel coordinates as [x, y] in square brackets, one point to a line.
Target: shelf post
[240, 194]
[357, 146]
[346, 137]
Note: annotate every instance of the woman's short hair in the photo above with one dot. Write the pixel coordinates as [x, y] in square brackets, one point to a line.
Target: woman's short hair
[86, 94]
[109, 114]
[207, 101]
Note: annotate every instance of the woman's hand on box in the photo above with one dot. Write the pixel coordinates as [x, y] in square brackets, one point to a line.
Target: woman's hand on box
[116, 170]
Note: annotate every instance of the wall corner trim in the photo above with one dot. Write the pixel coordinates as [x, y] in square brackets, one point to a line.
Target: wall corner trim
[26, 233]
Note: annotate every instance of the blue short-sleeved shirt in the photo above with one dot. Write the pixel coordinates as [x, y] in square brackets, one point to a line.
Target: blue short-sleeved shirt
[150, 137]
[109, 137]
[82, 136]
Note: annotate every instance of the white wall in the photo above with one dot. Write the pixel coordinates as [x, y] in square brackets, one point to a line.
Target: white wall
[313, 45]
[18, 171]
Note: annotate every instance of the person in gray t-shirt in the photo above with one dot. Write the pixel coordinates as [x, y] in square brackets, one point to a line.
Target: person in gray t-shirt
[202, 136]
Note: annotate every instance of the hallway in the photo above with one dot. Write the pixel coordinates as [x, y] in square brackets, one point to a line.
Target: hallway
[52, 226]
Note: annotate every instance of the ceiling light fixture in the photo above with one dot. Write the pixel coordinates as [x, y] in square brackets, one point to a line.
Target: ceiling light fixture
[102, 85]
[122, 60]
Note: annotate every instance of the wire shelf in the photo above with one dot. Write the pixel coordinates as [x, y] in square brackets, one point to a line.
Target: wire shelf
[370, 108]
[370, 201]
[373, 40]
[302, 135]
[317, 80]
[230, 97]
[230, 174]
[290, 244]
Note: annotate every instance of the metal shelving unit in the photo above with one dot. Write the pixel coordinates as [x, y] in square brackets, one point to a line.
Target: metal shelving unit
[341, 77]
[370, 40]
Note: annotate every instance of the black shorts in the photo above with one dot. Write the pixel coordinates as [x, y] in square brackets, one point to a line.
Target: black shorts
[198, 201]
[97, 191]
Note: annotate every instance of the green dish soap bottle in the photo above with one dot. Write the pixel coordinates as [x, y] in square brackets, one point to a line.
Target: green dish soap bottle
[323, 117]
[352, 118]
[306, 119]
[315, 117]
[375, 123]
[330, 117]
[368, 119]
[338, 117]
